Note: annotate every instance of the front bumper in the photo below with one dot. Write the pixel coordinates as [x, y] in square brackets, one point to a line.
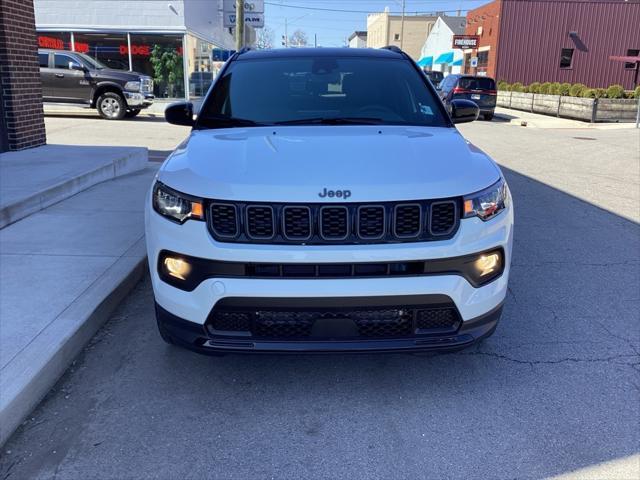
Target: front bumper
[195, 337]
[138, 100]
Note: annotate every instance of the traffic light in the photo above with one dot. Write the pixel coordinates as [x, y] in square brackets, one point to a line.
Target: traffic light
[284, 41]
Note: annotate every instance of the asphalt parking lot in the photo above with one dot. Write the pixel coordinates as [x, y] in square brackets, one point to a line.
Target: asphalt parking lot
[554, 393]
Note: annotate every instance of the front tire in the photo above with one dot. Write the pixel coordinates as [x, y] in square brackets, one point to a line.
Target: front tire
[132, 113]
[488, 116]
[111, 106]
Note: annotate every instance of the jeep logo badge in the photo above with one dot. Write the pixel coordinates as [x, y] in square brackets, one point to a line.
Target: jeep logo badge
[334, 193]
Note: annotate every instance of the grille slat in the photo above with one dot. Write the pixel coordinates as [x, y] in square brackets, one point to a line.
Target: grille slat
[260, 221]
[317, 224]
[296, 222]
[407, 220]
[334, 223]
[443, 218]
[224, 220]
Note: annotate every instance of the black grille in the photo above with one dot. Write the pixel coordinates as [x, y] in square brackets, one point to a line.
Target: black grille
[224, 220]
[260, 221]
[380, 322]
[334, 223]
[408, 220]
[371, 222]
[443, 218]
[437, 319]
[296, 223]
[318, 224]
[231, 321]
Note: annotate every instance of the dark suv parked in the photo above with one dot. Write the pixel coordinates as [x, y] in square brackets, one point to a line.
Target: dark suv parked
[480, 90]
[73, 77]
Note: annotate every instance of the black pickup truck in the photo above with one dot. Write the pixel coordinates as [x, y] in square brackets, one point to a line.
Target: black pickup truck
[76, 78]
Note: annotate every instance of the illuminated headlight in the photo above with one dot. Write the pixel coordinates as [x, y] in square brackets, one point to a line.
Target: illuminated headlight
[132, 86]
[176, 206]
[487, 203]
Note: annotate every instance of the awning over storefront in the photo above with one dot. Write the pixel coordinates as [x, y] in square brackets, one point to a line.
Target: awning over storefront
[445, 58]
[457, 63]
[425, 62]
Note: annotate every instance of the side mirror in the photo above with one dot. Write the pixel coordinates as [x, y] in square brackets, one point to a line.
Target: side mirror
[463, 111]
[180, 113]
[75, 66]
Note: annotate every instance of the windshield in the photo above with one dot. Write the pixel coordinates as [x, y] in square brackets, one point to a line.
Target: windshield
[91, 62]
[321, 90]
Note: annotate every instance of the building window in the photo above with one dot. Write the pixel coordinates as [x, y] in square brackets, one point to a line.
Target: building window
[108, 48]
[566, 58]
[631, 53]
[54, 40]
[160, 57]
[483, 58]
[396, 36]
[44, 60]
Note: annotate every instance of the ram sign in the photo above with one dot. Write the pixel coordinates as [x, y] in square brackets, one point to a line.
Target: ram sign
[465, 41]
[253, 13]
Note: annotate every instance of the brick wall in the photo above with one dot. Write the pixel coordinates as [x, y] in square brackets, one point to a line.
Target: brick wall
[484, 21]
[23, 125]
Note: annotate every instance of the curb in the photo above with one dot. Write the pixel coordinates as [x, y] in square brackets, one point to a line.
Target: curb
[131, 162]
[39, 366]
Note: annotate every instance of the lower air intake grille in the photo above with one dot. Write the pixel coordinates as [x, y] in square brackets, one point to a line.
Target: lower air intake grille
[437, 319]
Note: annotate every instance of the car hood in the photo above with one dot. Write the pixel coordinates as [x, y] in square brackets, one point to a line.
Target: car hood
[113, 74]
[295, 164]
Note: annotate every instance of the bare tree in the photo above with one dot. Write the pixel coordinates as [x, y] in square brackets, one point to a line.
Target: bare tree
[264, 38]
[298, 39]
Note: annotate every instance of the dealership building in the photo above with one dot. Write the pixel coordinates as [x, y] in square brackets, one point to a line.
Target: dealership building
[136, 34]
[570, 41]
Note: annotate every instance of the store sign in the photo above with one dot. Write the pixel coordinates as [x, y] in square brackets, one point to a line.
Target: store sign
[50, 42]
[81, 47]
[465, 41]
[141, 50]
[253, 13]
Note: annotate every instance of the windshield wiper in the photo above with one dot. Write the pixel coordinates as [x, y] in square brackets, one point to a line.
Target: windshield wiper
[333, 121]
[213, 121]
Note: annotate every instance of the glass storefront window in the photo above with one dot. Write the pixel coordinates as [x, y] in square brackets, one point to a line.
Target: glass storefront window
[108, 48]
[160, 57]
[200, 67]
[54, 40]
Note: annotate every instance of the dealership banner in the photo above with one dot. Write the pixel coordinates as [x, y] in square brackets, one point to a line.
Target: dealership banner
[465, 41]
[253, 13]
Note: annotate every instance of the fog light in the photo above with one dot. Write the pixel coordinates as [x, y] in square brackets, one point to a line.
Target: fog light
[177, 267]
[488, 264]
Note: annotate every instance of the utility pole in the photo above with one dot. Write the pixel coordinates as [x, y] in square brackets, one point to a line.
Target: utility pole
[315, 39]
[402, 26]
[239, 24]
[286, 34]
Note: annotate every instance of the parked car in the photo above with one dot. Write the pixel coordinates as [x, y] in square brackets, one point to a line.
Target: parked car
[435, 77]
[199, 83]
[481, 90]
[330, 206]
[76, 78]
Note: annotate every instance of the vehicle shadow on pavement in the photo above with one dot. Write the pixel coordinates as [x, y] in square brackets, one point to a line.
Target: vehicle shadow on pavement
[94, 116]
[554, 390]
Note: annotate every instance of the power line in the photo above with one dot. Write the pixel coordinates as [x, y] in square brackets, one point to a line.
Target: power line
[320, 9]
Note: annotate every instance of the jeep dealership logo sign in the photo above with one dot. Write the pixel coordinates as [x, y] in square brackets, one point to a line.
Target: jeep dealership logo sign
[465, 41]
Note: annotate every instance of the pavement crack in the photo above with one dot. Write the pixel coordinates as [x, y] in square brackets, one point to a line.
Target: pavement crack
[532, 363]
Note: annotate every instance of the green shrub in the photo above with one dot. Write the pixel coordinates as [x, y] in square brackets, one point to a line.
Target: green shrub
[525, 89]
[554, 89]
[502, 85]
[615, 91]
[601, 92]
[577, 89]
[636, 92]
[534, 87]
[517, 87]
[545, 88]
[564, 89]
[589, 93]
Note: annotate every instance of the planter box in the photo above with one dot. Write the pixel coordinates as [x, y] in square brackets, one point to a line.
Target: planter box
[616, 110]
[522, 101]
[576, 107]
[546, 104]
[504, 99]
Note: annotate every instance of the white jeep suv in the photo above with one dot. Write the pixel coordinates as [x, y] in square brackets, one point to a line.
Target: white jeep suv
[325, 202]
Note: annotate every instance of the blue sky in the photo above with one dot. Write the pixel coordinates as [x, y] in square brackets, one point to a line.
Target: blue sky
[334, 27]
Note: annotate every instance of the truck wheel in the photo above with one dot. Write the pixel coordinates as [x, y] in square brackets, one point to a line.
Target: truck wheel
[111, 106]
[132, 113]
[488, 116]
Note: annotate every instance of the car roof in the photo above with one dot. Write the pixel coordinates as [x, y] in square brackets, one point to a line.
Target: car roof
[320, 52]
[48, 50]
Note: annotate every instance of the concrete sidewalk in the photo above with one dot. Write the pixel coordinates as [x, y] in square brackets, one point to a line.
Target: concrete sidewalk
[33, 179]
[534, 120]
[63, 271]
